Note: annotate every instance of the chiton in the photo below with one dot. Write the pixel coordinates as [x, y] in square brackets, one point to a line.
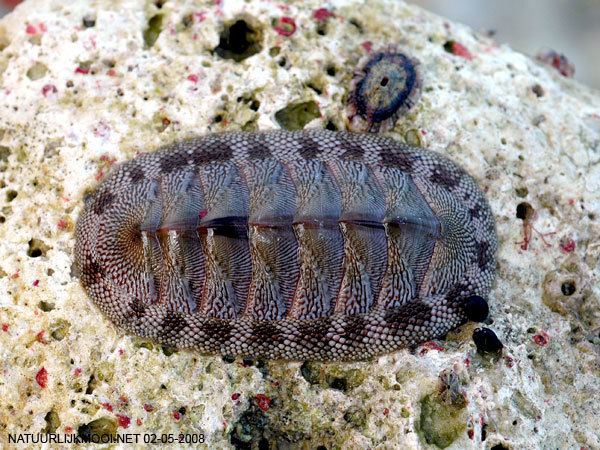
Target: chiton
[288, 245]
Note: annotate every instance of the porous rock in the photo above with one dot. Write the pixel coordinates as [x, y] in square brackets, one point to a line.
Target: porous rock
[125, 77]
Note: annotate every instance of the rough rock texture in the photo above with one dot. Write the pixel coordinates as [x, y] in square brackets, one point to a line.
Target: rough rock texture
[84, 85]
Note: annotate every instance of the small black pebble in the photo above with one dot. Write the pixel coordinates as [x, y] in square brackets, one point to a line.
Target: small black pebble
[228, 358]
[486, 341]
[476, 308]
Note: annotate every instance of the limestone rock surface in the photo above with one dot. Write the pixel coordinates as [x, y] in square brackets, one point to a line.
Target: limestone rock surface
[86, 84]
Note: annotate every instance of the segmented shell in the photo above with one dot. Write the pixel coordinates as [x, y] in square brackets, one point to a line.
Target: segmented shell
[290, 245]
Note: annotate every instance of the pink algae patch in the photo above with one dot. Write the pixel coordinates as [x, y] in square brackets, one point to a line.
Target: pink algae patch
[42, 377]
[322, 14]
[123, 421]
[285, 26]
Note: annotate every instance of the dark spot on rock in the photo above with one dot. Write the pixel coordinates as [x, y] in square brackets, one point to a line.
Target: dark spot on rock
[339, 383]
[476, 308]
[357, 24]
[37, 248]
[538, 90]
[239, 40]
[486, 341]
[136, 174]
[11, 194]
[330, 71]
[522, 192]
[356, 417]
[296, 115]
[153, 30]
[46, 306]
[249, 428]
[89, 21]
[102, 200]
[331, 126]
[309, 149]
[228, 359]
[309, 372]
[263, 444]
[524, 211]
[500, 447]
[568, 288]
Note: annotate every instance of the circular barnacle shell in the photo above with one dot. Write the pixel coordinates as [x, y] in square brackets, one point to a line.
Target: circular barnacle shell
[385, 86]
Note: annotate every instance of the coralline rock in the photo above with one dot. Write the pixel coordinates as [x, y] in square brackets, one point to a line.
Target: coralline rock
[84, 85]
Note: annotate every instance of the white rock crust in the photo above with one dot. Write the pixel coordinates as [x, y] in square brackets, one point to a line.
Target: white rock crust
[525, 133]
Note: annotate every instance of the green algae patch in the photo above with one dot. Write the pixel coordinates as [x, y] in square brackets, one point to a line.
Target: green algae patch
[296, 115]
[332, 376]
[36, 71]
[103, 428]
[440, 424]
[52, 422]
[153, 30]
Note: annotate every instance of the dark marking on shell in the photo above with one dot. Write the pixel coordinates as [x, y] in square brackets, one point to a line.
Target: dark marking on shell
[475, 212]
[92, 272]
[258, 150]
[172, 324]
[309, 149]
[354, 151]
[444, 176]
[264, 331]
[103, 200]
[136, 308]
[483, 254]
[136, 174]
[212, 153]
[390, 157]
[219, 329]
[170, 162]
